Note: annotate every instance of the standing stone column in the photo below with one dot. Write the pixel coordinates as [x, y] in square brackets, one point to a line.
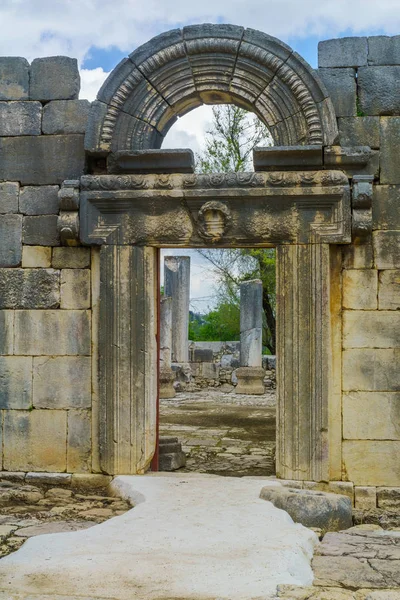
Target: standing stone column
[167, 389]
[177, 286]
[250, 374]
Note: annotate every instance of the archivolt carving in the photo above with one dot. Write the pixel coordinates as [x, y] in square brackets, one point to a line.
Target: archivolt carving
[182, 69]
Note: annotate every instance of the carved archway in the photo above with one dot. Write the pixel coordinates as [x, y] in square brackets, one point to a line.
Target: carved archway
[181, 69]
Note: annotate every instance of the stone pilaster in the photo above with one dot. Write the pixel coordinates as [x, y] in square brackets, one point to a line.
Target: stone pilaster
[177, 286]
[166, 389]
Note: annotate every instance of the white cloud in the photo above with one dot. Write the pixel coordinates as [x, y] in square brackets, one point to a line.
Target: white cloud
[91, 81]
[189, 130]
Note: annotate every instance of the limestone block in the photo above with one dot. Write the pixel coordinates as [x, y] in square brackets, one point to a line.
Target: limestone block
[65, 116]
[345, 488]
[42, 159]
[172, 461]
[52, 332]
[371, 369]
[54, 78]
[389, 290]
[385, 207]
[62, 382]
[14, 78]
[359, 131]
[371, 415]
[36, 256]
[41, 231]
[29, 288]
[343, 52]
[390, 140]
[79, 441]
[250, 380]
[15, 382]
[9, 192]
[10, 240]
[358, 256]
[35, 440]
[90, 481]
[388, 497]
[20, 118]
[386, 249]
[371, 329]
[379, 89]
[368, 462]
[48, 478]
[71, 258]
[365, 497]
[209, 370]
[75, 288]
[39, 200]
[384, 50]
[360, 289]
[7, 331]
[342, 88]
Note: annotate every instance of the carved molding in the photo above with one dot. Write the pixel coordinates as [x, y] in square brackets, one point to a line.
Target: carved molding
[68, 219]
[362, 190]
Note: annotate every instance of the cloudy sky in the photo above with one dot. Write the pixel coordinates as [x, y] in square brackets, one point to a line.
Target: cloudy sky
[101, 32]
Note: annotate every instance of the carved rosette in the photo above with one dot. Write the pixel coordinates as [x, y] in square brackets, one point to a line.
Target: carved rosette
[68, 220]
[362, 206]
[214, 219]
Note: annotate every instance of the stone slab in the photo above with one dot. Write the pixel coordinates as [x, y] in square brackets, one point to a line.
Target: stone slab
[390, 138]
[386, 249]
[35, 440]
[10, 240]
[71, 258]
[52, 332]
[65, 116]
[39, 200]
[79, 446]
[365, 497]
[54, 78]
[90, 481]
[75, 288]
[40, 231]
[29, 288]
[363, 462]
[378, 90]
[36, 256]
[360, 289]
[62, 382]
[42, 159]
[7, 331]
[281, 157]
[385, 207]
[15, 382]
[342, 88]
[384, 50]
[371, 415]
[359, 131]
[20, 118]
[358, 256]
[9, 192]
[371, 369]
[343, 52]
[53, 527]
[14, 78]
[389, 290]
[388, 497]
[371, 329]
[51, 479]
[151, 161]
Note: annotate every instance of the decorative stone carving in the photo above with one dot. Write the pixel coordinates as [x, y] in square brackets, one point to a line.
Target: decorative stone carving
[214, 219]
[68, 220]
[362, 206]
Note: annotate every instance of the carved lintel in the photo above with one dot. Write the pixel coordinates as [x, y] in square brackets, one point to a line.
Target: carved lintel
[214, 218]
[68, 220]
[362, 206]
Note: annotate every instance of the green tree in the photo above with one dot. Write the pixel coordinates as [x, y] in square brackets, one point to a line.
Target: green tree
[220, 324]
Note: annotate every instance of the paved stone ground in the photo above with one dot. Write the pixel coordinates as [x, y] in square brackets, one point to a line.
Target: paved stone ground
[27, 511]
[223, 433]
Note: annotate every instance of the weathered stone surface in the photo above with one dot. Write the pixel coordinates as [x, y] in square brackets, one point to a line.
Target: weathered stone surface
[345, 488]
[390, 138]
[171, 461]
[42, 159]
[15, 493]
[29, 288]
[358, 256]
[39, 200]
[79, 439]
[359, 131]
[9, 193]
[54, 78]
[365, 497]
[15, 382]
[250, 380]
[20, 118]
[388, 497]
[177, 286]
[14, 78]
[90, 481]
[389, 290]
[7, 332]
[65, 116]
[372, 462]
[295, 592]
[250, 323]
[385, 207]
[378, 90]
[41, 231]
[151, 161]
[386, 249]
[62, 382]
[283, 157]
[360, 289]
[75, 288]
[371, 369]
[10, 240]
[48, 478]
[358, 160]
[330, 512]
[375, 329]
[384, 50]
[371, 415]
[52, 332]
[55, 527]
[36, 256]
[342, 88]
[343, 52]
[71, 258]
[35, 440]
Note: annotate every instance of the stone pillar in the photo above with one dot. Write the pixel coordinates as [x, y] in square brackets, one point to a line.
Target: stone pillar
[166, 389]
[177, 286]
[250, 374]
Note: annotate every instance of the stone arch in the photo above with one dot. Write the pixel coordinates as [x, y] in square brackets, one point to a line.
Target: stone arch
[181, 69]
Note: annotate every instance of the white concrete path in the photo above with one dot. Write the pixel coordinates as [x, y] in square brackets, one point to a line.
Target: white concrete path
[190, 536]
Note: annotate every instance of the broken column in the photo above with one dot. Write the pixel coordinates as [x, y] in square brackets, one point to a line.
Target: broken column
[250, 373]
[166, 389]
[177, 286]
